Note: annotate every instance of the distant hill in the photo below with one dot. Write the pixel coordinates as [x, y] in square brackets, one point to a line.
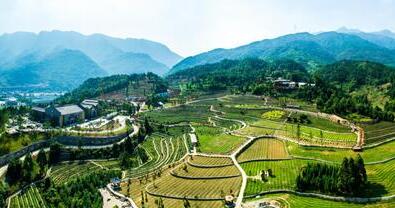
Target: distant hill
[60, 70]
[383, 38]
[116, 87]
[308, 49]
[113, 55]
[137, 62]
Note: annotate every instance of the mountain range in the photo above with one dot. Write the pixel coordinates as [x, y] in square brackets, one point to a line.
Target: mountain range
[311, 50]
[72, 58]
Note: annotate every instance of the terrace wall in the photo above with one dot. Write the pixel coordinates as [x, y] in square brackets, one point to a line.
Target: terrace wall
[65, 140]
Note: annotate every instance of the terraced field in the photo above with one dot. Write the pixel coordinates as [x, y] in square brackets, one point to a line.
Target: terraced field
[200, 172]
[198, 186]
[195, 188]
[315, 133]
[162, 151]
[185, 113]
[383, 178]
[64, 172]
[202, 161]
[30, 197]
[284, 171]
[379, 153]
[143, 199]
[215, 140]
[309, 135]
[379, 132]
[294, 201]
[264, 149]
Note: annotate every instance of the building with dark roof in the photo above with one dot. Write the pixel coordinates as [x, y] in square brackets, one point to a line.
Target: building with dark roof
[38, 114]
[65, 115]
[90, 107]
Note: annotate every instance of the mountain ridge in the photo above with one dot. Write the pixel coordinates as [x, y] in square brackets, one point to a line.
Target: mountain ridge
[328, 46]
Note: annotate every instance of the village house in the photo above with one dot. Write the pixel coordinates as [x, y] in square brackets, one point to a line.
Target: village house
[90, 107]
[65, 115]
[286, 84]
[60, 116]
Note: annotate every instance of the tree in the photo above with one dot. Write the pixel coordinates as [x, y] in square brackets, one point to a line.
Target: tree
[298, 131]
[124, 161]
[54, 153]
[42, 160]
[14, 171]
[147, 126]
[27, 166]
[344, 176]
[4, 116]
[361, 174]
[186, 203]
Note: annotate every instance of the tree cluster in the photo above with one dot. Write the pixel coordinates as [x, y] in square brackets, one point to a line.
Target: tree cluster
[81, 192]
[348, 179]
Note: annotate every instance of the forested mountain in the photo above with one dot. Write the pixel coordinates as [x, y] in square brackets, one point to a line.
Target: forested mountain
[133, 84]
[60, 70]
[240, 74]
[355, 74]
[308, 49]
[24, 51]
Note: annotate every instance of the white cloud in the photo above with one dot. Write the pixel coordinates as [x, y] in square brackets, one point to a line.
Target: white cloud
[192, 26]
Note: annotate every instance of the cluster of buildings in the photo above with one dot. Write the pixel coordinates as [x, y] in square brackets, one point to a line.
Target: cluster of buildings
[68, 114]
[286, 84]
[11, 102]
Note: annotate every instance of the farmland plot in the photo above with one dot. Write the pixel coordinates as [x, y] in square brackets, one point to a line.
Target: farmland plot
[29, 197]
[264, 149]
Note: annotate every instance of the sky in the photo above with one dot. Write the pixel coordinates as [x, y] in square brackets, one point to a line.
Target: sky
[189, 27]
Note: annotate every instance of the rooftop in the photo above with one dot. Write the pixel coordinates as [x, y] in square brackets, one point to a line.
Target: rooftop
[90, 102]
[193, 138]
[69, 109]
[39, 109]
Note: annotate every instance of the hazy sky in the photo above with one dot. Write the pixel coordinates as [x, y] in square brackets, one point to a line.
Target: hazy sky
[192, 26]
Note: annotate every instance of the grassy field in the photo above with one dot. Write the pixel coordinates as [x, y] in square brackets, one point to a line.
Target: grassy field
[256, 131]
[227, 124]
[29, 197]
[294, 201]
[284, 171]
[321, 123]
[64, 172]
[379, 153]
[261, 127]
[214, 140]
[379, 131]
[283, 101]
[241, 101]
[264, 149]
